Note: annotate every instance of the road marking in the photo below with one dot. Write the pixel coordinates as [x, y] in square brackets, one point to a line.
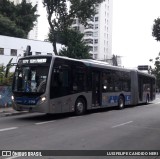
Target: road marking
[45, 122]
[122, 124]
[157, 103]
[13, 157]
[6, 129]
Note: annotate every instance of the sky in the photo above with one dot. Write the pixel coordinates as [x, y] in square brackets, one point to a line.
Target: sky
[42, 23]
[131, 30]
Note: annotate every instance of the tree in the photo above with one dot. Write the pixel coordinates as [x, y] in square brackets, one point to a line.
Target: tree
[60, 18]
[9, 28]
[26, 16]
[76, 47]
[5, 74]
[156, 29]
[156, 34]
[156, 70]
[17, 20]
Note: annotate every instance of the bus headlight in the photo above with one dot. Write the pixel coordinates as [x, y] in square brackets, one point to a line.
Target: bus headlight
[43, 99]
[12, 97]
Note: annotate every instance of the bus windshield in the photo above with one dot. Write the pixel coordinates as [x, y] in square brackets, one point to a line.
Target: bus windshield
[30, 78]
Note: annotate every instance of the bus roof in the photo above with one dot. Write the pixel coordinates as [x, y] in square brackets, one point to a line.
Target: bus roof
[95, 63]
[90, 63]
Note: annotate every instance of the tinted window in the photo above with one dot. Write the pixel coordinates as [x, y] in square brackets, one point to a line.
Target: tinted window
[79, 78]
[115, 81]
[68, 77]
[60, 85]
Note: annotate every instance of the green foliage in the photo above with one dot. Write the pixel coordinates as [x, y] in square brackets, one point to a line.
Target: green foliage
[4, 70]
[83, 9]
[76, 47]
[7, 9]
[156, 34]
[156, 29]
[60, 19]
[9, 28]
[17, 20]
[156, 70]
[25, 16]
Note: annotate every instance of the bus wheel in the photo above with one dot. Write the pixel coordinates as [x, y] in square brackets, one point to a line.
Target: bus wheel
[80, 106]
[121, 102]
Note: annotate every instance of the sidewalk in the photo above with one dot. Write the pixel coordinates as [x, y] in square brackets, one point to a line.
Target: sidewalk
[10, 111]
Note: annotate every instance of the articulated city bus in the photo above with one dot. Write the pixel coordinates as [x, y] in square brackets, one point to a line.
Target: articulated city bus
[55, 84]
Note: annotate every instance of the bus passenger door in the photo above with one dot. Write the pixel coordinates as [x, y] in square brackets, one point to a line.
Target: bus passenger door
[96, 92]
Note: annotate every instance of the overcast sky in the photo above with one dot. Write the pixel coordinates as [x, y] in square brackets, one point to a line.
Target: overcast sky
[132, 30]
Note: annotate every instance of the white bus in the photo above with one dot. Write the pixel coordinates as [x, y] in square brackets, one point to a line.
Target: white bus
[55, 84]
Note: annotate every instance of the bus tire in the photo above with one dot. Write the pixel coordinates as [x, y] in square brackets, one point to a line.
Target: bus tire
[80, 106]
[121, 102]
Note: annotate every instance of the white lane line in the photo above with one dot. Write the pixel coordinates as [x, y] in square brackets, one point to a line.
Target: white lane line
[13, 157]
[157, 103]
[6, 129]
[45, 122]
[122, 124]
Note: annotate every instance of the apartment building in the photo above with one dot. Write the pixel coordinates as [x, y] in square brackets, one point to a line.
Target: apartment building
[16, 1]
[98, 34]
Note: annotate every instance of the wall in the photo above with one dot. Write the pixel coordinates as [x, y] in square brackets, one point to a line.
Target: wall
[5, 96]
[19, 44]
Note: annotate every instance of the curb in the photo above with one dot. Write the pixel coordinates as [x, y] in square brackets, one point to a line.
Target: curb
[5, 113]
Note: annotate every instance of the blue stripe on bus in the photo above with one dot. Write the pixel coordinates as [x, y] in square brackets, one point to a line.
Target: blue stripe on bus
[127, 98]
[26, 101]
[114, 99]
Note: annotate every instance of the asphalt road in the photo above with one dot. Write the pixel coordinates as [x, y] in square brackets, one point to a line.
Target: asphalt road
[134, 128]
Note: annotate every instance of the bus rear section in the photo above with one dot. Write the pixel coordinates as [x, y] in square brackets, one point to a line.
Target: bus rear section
[146, 87]
[143, 87]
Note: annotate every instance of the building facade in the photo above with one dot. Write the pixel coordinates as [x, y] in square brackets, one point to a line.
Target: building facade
[11, 47]
[98, 34]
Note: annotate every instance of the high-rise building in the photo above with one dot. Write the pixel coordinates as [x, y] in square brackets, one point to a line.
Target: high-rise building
[98, 34]
[16, 1]
[33, 34]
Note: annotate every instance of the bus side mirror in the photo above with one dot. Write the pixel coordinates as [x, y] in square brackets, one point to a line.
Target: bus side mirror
[7, 70]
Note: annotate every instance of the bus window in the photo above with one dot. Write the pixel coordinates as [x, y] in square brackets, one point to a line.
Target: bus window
[60, 85]
[79, 78]
[30, 79]
[108, 81]
[96, 91]
[104, 82]
[118, 80]
[126, 82]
